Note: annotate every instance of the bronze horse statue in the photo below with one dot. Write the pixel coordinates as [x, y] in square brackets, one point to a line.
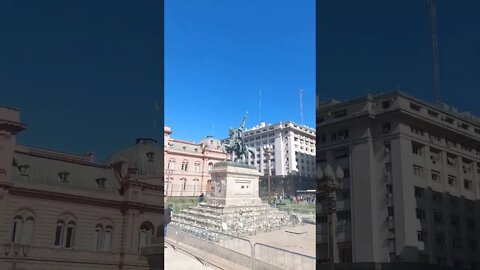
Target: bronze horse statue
[236, 145]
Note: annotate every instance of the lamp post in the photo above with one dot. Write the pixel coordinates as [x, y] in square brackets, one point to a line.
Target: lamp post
[329, 182]
[17, 250]
[268, 152]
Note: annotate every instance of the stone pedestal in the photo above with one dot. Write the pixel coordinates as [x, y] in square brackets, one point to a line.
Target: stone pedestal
[234, 185]
[233, 206]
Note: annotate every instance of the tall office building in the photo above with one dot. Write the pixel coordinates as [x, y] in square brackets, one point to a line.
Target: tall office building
[293, 151]
[412, 180]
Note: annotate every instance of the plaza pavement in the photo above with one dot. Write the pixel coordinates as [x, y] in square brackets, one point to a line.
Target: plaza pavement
[178, 260]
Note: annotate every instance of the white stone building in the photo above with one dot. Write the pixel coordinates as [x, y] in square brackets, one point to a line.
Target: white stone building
[412, 180]
[293, 148]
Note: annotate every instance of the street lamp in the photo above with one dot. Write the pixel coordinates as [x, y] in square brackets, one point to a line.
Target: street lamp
[17, 250]
[329, 182]
[268, 151]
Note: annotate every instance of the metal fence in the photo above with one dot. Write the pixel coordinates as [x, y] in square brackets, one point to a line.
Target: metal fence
[234, 252]
[270, 257]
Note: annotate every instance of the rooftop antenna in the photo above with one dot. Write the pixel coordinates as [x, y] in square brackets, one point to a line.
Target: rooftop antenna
[301, 105]
[435, 59]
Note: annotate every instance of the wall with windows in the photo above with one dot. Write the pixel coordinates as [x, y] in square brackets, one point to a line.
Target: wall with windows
[187, 165]
[418, 165]
[64, 211]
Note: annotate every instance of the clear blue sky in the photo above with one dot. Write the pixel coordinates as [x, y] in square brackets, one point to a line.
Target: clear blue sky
[219, 54]
[85, 74]
[381, 45]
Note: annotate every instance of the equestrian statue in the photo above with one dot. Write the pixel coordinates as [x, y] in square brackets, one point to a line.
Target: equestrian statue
[235, 145]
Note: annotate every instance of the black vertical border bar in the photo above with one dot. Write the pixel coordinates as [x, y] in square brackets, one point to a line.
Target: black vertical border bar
[317, 102]
[161, 121]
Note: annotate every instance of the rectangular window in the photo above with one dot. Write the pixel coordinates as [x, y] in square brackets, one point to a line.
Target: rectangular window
[417, 149]
[467, 184]
[69, 242]
[434, 155]
[419, 192]
[453, 201]
[452, 180]
[432, 113]
[436, 176]
[390, 211]
[455, 221]
[339, 114]
[386, 104]
[386, 128]
[417, 170]
[387, 147]
[422, 236]
[438, 218]
[420, 214]
[469, 205]
[58, 235]
[389, 188]
[415, 106]
[437, 197]
[471, 224]
[451, 160]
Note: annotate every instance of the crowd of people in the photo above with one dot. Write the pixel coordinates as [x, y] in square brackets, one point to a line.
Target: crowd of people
[293, 199]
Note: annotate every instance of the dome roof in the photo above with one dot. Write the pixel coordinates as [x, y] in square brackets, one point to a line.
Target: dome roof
[211, 142]
[145, 155]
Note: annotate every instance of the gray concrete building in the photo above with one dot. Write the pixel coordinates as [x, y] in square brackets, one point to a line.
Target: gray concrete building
[412, 180]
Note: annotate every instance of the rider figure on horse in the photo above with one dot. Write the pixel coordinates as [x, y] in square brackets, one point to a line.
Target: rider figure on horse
[236, 144]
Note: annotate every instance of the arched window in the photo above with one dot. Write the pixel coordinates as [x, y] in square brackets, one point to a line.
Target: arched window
[98, 237]
[210, 166]
[171, 164]
[69, 239]
[22, 231]
[146, 232]
[195, 185]
[107, 239]
[65, 234]
[27, 233]
[184, 183]
[185, 165]
[17, 230]
[196, 166]
[59, 231]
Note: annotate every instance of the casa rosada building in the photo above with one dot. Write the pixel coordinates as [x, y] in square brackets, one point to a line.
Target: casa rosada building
[65, 211]
[187, 164]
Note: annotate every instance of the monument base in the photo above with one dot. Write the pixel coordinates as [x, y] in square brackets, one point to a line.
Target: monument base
[234, 184]
[233, 206]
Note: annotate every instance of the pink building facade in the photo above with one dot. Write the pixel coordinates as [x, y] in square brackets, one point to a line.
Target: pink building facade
[187, 165]
[66, 211]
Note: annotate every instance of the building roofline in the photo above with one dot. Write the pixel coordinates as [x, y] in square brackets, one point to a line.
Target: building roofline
[56, 155]
[401, 93]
